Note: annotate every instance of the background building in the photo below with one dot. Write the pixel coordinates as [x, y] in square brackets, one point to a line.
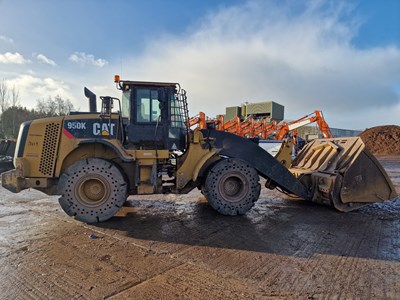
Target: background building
[270, 110]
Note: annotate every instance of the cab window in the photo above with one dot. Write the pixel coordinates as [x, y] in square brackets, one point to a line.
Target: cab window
[126, 104]
[147, 106]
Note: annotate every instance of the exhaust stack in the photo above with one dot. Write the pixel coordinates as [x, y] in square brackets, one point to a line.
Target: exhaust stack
[92, 100]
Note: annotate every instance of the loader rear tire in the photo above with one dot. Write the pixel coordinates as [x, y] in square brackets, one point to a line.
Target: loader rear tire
[92, 190]
[232, 187]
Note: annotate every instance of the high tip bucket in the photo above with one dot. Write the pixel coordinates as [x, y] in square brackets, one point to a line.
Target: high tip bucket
[342, 173]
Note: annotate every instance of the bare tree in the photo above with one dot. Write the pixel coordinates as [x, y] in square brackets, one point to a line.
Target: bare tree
[51, 106]
[56, 106]
[59, 103]
[64, 106]
[14, 96]
[4, 99]
[41, 106]
[4, 96]
[14, 103]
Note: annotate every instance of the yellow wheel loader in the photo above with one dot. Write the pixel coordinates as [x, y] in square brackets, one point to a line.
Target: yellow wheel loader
[94, 160]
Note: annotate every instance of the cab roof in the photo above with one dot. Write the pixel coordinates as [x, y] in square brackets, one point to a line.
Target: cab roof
[148, 83]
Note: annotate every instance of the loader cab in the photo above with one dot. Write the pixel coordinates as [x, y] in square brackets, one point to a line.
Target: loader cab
[154, 115]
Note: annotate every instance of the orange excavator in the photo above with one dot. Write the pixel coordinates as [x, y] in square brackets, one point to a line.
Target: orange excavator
[316, 116]
[263, 129]
[251, 127]
[199, 120]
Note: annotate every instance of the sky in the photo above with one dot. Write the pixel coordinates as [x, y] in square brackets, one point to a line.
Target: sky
[341, 57]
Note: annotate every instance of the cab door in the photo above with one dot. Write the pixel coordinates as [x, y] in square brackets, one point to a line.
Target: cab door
[147, 123]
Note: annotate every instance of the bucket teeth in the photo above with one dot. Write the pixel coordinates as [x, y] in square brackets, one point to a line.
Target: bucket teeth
[342, 173]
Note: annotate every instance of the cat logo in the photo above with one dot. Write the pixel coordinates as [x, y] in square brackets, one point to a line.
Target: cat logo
[104, 129]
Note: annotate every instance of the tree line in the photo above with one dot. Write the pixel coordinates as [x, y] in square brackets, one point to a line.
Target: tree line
[12, 114]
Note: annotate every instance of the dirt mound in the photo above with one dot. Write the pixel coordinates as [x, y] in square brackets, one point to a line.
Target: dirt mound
[382, 140]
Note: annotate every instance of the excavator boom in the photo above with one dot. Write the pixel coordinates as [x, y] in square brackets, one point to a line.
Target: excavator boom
[316, 116]
[260, 128]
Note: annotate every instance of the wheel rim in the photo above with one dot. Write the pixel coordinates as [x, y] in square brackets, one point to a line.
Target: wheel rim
[233, 187]
[93, 191]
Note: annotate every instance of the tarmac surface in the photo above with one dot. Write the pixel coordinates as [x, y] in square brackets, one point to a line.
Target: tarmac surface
[178, 247]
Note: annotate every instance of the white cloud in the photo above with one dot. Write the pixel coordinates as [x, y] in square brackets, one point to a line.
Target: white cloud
[6, 39]
[87, 59]
[299, 55]
[42, 58]
[32, 88]
[13, 58]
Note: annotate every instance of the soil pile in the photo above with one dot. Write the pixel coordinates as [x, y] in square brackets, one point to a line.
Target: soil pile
[382, 140]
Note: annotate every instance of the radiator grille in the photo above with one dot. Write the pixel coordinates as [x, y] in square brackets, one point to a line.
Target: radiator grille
[47, 160]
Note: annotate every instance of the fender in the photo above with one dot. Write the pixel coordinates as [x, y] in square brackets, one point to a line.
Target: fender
[107, 143]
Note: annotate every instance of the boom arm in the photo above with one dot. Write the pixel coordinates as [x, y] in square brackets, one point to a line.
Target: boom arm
[199, 119]
[316, 116]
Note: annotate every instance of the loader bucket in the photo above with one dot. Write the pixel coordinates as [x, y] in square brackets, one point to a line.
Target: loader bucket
[342, 173]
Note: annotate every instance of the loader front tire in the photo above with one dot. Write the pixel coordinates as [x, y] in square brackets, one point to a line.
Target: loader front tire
[92, 190]
[232, 187]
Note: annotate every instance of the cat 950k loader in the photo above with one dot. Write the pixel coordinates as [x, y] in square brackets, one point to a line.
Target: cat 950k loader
[94, 160]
